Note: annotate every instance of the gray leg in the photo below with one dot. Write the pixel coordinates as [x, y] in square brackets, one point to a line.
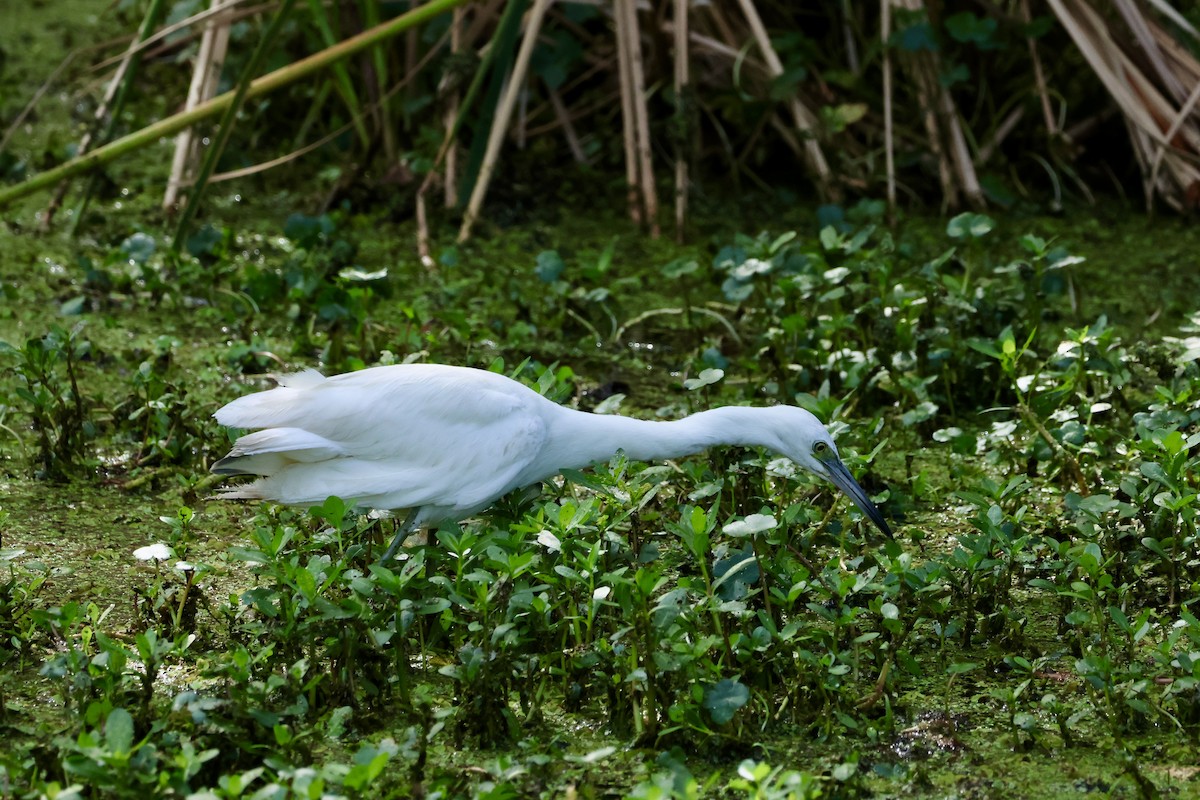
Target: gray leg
[410, 522]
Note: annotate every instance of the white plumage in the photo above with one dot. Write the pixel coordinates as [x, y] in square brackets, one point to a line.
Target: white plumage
[445, 442]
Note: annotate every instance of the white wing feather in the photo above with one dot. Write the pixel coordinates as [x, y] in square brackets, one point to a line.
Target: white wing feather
[445, 439]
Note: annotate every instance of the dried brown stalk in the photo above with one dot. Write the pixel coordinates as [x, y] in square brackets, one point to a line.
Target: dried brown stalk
[1039, 76]
[1165, 133]
[451, 180]
[1007, 126]
[504, 111]
[564, 118]
[889, 144]
[628, 121]
[682, 88]
[946, 140]
[576, 112]
[641, 116]
[214, 43]
[804, 119]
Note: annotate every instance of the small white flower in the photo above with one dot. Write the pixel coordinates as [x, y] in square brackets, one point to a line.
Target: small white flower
[184, 566]
[602, 593]
[153, 552]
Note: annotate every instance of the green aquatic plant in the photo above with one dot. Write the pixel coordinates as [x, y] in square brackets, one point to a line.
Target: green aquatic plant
[713, 607]
[46, 371]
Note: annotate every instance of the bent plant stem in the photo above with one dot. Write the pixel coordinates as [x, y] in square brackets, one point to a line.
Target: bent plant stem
[15, 435]
[818, 574]
[71, 443]
[1073, 467]
[178, 611]
[710, 595]
[765, 577]
[870, 700]
[649, 711]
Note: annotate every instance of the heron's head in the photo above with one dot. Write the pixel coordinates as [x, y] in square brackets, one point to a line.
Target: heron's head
[803, 439]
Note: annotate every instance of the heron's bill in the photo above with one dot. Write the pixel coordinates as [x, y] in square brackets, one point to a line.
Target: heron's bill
[841, 478]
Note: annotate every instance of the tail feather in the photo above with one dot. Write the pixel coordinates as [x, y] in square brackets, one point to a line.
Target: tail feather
[249, 491]
[267, 452]
[261, 464]
[375, 484]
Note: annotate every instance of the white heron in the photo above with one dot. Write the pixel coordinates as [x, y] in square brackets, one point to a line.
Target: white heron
[446, 442]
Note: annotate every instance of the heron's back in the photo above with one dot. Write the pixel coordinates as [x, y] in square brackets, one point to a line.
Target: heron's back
[448, 438]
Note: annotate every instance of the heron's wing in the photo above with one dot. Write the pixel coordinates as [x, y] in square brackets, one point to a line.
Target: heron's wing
[391, 437]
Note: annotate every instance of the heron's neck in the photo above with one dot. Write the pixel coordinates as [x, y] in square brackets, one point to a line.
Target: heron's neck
[580, 438]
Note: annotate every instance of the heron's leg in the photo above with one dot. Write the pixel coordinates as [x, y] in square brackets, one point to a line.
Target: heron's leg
[410, 522]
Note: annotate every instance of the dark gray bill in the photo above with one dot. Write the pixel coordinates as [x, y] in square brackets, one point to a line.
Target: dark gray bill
[841, 478]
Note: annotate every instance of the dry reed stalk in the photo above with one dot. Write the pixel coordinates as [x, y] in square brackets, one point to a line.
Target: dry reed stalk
[1039, 77]
[483, 18]
[852, 60]
[926, 91]
[1140, 27]
[804, 120]
[947, 142]
[628, 123]
[422, 220]
[717, 47]
[682, 87]
[1160, 153]
[577, 112]
[226, 13]
[787, 134]
[960, 152]
[564, 118]
[724, 27]
[1164, 135]
[206, 75]
[1007, 126]
[448, 151]
[1084, 127]
[1173, 143]
[451, 177]
[522, 116]
[504, 111]
[1167, 10]
[641, 117]
[1181, 59]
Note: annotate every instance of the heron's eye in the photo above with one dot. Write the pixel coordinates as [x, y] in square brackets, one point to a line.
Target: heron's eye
[820, 449]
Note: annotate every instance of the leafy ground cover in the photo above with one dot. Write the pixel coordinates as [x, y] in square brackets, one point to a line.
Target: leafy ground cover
[718, 623]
